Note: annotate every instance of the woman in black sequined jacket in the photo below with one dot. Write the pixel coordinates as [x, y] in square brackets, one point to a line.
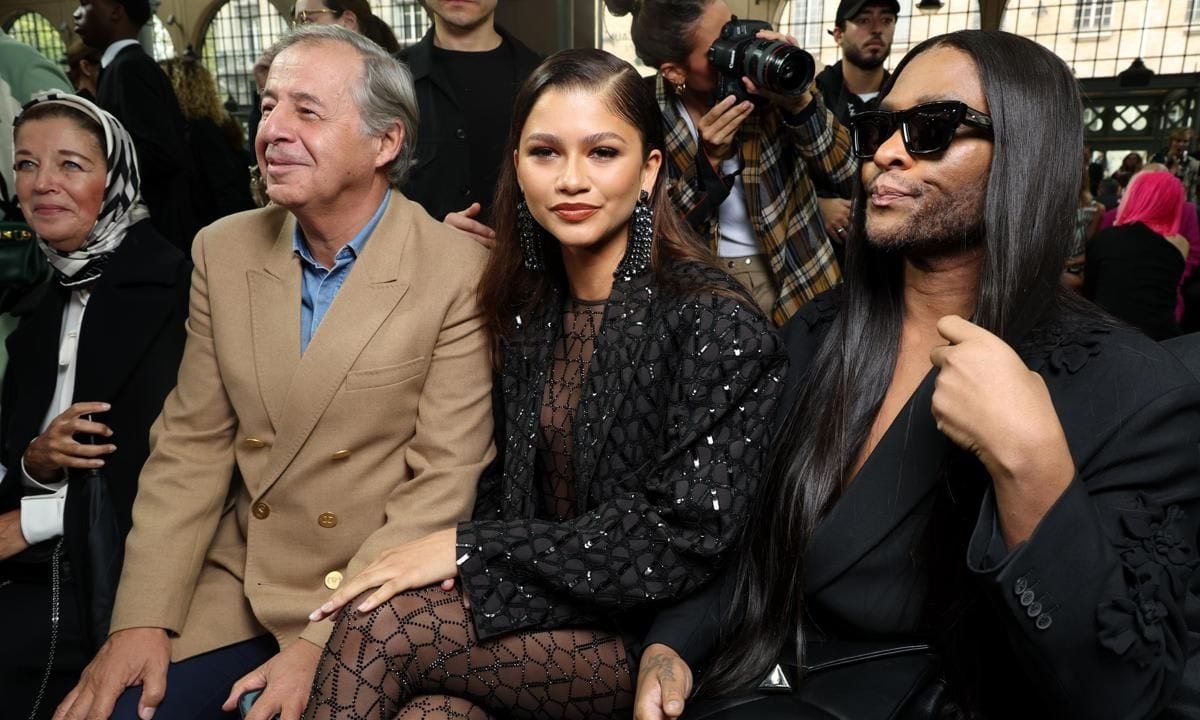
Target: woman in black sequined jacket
[637, 384]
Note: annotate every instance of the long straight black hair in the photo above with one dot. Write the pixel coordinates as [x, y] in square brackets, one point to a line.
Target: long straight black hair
[1032, 190]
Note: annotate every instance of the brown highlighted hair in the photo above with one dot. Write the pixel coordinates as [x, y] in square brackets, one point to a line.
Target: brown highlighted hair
[195, 88]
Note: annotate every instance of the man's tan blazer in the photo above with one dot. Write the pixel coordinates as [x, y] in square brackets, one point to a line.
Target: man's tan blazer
[376, 436]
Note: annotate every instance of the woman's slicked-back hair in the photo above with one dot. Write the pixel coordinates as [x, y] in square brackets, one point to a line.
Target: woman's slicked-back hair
[370, 25]
[662, 30]
[1028, 217]
[383, 92]
[507, 287]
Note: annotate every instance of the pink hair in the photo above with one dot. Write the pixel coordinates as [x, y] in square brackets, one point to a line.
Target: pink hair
[1154, 199]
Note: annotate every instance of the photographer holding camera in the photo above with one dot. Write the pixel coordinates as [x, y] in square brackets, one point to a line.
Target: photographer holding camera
[746, 139]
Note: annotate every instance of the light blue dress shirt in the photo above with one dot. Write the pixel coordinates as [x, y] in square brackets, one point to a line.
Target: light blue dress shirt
[320, 285]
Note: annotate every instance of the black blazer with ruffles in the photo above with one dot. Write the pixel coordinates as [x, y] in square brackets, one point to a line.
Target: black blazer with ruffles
[670, 442]
[130, 345]
[1094, 615]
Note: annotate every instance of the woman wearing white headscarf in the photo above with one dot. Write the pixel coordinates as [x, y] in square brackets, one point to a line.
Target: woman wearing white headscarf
[94, 356]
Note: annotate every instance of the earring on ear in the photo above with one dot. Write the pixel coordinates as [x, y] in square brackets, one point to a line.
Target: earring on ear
[530, 234]
[681, 88]
[641, 238]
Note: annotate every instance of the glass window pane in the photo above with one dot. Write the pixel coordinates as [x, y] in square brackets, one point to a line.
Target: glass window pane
[406, 17]
[34, 29]
[237, 35]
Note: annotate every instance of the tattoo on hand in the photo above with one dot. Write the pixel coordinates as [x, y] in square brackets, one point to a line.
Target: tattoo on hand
[663, 666]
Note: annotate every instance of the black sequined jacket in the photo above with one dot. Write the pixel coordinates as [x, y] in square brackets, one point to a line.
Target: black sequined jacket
[670, 443]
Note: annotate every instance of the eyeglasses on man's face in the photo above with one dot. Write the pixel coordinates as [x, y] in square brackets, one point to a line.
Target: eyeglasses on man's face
[926, 129]
[304, 17]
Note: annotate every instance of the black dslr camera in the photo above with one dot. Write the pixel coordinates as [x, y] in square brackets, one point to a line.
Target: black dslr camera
[773, 65]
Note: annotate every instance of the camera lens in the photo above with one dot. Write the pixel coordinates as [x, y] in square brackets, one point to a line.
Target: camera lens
[778, 66]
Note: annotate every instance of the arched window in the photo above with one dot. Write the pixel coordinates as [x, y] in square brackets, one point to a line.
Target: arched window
[164, 46]
[1101, 38]
[406, 17]
[810, 21]
[236, 36]
[34, 29]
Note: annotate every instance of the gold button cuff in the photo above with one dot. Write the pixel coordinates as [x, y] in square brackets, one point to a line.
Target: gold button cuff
[327, 520]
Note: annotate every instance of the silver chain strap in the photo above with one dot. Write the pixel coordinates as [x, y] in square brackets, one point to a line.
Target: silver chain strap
[55, 591]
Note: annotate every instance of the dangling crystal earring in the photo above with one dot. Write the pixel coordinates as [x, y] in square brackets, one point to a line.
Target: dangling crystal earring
[641, 238]
[681, 88]
[531, 238]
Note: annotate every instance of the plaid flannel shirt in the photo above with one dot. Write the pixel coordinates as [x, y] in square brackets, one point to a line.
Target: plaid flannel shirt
[780, 162]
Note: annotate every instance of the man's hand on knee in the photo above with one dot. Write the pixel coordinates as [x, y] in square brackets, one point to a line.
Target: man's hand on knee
[663, 684]
[286, 680]
[137, 656]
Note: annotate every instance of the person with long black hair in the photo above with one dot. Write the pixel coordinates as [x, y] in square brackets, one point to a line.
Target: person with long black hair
[637, 384]
[986, 490]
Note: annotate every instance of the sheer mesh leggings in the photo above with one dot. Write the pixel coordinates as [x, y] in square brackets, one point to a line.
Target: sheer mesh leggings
[417, 657]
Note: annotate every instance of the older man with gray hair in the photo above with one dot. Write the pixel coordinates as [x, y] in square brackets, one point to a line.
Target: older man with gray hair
[333, 401]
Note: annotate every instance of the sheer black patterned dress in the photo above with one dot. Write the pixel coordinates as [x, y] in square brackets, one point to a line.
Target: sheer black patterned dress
[418, 656]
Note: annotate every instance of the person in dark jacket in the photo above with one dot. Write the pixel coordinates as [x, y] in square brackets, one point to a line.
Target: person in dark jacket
[863, 29]
[637, 381]
[981, 477]
[134, 89]
[467, 71]
[91, 362]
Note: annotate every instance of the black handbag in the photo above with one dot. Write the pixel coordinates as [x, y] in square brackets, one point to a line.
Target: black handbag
[97, 554]
[843, 681]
